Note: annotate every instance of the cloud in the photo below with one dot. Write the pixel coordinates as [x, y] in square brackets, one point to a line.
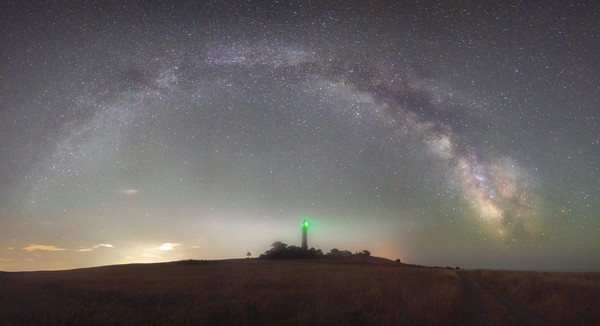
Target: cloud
[5, 260]
[128, 192]
[34, 247]
[168, 246]
[100, 245]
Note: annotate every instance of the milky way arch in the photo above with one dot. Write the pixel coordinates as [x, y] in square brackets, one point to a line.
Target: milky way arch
[499, 192]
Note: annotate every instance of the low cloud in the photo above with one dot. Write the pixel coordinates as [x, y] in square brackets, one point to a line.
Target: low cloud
[168, 246]
[128, 192]
[34, 247]
[100, 245]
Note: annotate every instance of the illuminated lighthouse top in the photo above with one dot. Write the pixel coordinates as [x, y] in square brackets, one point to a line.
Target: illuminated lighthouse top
[304, 225]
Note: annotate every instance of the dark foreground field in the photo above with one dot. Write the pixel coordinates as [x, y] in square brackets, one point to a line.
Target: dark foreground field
[329, 292]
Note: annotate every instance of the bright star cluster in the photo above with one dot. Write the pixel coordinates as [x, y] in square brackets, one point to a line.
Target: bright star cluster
[445, 134]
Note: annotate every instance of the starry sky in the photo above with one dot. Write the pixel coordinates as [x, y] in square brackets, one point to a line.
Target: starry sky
[462, 134]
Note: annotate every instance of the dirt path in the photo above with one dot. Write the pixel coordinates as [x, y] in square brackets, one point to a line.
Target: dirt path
[487, 306]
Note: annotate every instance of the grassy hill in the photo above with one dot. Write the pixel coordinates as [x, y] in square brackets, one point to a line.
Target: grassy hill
[353, 291]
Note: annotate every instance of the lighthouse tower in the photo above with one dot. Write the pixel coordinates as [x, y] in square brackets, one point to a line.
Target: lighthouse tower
[304, 231]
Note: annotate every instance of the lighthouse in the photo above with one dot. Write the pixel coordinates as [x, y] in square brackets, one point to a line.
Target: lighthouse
[304, 231]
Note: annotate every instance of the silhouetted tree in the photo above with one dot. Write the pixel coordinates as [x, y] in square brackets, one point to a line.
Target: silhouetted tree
[312, 252]
[248, 254]
[279, 246]
[278, 250]
[339, 253]
[281, 250]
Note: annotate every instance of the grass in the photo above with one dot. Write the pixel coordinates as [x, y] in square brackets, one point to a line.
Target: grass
[275, 292]
[560, 298]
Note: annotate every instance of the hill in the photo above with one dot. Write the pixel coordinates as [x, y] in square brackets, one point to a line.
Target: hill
[353, 291]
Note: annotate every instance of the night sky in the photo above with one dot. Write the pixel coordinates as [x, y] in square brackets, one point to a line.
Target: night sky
[461, 134]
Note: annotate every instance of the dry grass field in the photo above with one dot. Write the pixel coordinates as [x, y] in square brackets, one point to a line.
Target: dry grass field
[366, 291]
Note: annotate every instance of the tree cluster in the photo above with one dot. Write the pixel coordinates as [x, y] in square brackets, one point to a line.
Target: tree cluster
[280, 250]
[347, 253]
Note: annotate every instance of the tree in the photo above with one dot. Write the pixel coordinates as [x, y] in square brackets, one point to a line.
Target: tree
[314, 253]
[278, 250]
[248, 254]
[366, 253]
[278, 246]
[339, 253]
[281, 250]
